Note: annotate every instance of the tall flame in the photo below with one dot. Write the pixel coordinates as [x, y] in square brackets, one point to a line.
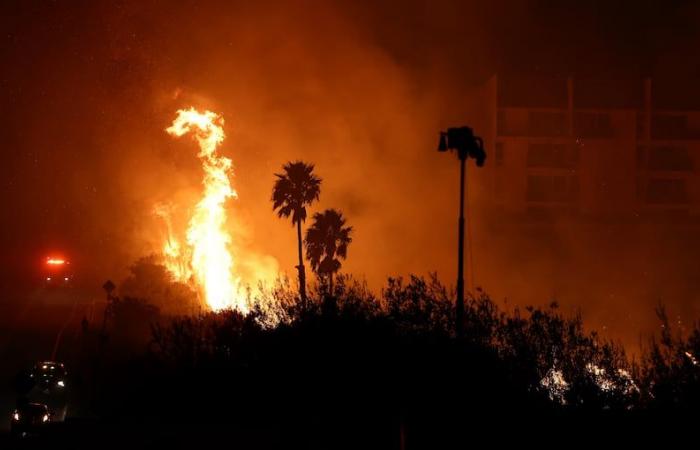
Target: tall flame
[176, 258]
[209, 255]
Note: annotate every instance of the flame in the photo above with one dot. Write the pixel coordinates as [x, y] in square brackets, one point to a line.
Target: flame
[175, 257]
[208, 257]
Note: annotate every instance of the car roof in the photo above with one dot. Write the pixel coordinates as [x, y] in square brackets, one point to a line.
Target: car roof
[48, 365]
[34, 407]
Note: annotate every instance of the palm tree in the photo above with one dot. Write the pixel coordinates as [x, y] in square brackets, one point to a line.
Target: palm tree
[327, 240]
[295, 189]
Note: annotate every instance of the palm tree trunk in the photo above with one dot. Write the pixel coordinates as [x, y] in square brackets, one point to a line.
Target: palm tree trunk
[300, 267]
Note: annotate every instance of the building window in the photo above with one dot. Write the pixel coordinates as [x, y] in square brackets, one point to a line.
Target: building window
[669, 126]
[499, 154]
[670, 158]
[552, 188]
[666, 191]
[640, 188]
[501, 124]
[641, 157]
[547, 123]
[499, 188]
[552, 156]
[593, 125]
[641, 125]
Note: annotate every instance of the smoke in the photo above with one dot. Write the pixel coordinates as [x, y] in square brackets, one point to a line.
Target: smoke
[359, 90]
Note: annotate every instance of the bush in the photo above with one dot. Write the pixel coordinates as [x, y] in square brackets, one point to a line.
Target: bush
[355, 362]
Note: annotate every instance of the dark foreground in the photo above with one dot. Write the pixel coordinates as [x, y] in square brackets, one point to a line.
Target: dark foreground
[350, 371]
[468, 432]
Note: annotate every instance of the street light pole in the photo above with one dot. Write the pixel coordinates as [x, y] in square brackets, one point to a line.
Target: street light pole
[459, 310]
[462, 140]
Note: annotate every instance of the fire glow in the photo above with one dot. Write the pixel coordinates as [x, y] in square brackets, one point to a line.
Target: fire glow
[206, 258]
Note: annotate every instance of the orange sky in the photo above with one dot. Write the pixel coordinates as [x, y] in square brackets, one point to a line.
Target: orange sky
[360, 91]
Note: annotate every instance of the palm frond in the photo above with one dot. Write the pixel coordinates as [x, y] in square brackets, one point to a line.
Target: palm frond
[294, 189]
[327, 239]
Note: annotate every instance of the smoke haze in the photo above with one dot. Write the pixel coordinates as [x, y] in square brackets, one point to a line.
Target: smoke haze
[361, 91]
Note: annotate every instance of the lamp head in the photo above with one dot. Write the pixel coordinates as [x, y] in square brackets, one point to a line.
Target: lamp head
[442, 147]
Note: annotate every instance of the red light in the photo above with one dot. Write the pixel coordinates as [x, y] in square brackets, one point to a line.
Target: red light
[55, 261]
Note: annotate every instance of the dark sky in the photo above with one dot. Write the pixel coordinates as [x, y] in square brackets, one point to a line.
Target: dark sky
[359, 88]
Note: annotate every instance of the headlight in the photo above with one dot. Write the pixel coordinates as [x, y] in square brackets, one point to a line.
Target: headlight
[45, 418]
[15, 416]
[61, 383]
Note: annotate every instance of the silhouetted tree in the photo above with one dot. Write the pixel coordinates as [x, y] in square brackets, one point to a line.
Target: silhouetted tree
[295, 189]
[326, 241]
[149, 280]
[109, 288]
[130, 322]
[671, 370]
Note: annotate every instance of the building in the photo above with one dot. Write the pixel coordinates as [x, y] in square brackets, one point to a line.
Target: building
[592, 148]
[590, 196]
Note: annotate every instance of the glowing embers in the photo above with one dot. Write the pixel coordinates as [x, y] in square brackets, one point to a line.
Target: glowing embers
[556, 386]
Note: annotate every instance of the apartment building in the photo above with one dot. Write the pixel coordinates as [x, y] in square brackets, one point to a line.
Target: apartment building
[592, 148]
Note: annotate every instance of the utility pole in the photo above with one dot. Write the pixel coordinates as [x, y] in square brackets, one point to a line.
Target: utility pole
[462, 140]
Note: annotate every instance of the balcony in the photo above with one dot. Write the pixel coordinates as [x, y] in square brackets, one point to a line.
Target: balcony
[532, 123]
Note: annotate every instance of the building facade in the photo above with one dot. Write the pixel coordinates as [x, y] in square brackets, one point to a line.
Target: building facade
[591, 148]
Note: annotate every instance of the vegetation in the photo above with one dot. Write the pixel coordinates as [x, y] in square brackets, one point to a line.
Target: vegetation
[327, 241]
[670, 372]
[295, 189]
[148, 279]
[343, 361]
[378, 363]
